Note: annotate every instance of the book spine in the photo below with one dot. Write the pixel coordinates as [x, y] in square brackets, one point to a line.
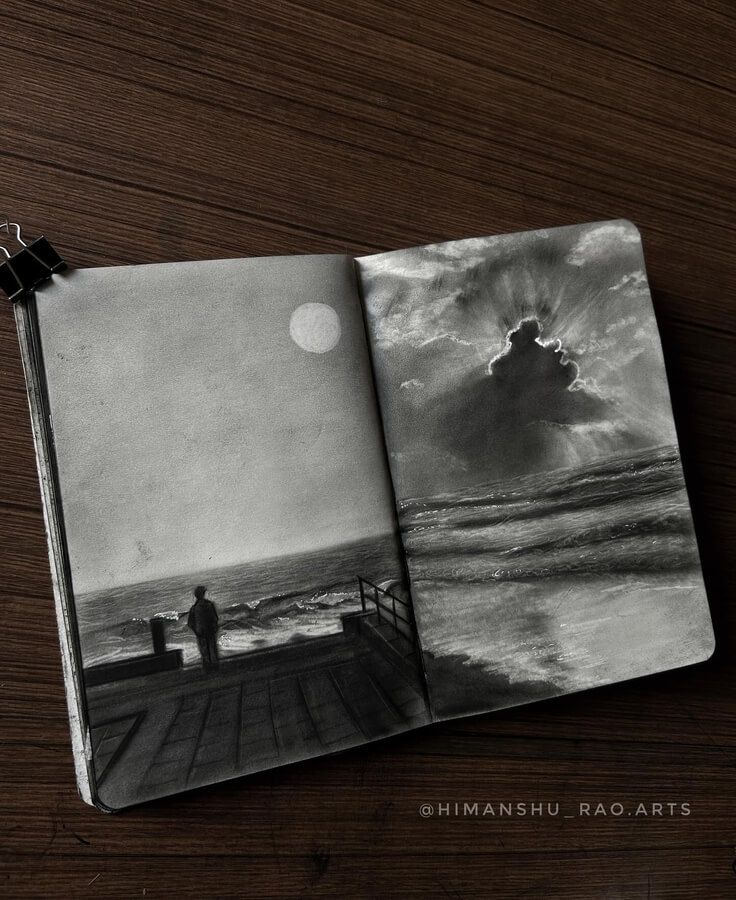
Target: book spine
[43, 442]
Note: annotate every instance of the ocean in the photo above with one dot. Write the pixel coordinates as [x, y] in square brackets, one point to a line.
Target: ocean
[545, 584]
[568, 579]
[260, 604]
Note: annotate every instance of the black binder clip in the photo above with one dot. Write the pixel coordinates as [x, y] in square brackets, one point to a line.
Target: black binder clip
[33, 264]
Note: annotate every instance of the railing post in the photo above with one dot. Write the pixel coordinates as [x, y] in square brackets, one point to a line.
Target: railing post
[370, 592]
[158, 636]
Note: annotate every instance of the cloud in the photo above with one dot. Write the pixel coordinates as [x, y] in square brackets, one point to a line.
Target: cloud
[634, 281]
[619, 324]
[601, 243]
[515, 415]
[533, 381]
[444, 315]
[399, 320]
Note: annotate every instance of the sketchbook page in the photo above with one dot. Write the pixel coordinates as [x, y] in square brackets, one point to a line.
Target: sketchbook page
[541, 500]
[229, 521]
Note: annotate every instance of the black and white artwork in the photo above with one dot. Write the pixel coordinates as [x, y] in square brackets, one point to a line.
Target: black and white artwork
[237, 578]
[541, 500]
[224, 449]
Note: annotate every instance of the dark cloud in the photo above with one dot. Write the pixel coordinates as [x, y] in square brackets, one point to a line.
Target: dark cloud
[439, 314]
[508, 416]
[532, 381]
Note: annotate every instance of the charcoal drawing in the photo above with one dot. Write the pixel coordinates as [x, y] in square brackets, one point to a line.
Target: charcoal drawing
[302, 503]
[237, 578]
[534, 457]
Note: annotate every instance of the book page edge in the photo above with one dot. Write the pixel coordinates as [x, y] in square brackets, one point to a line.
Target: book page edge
[43, 444]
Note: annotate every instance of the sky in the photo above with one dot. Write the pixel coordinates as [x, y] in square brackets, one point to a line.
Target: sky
[192, 430]
[514, 354]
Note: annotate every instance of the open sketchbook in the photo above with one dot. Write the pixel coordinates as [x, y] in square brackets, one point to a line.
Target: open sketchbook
[296, 504]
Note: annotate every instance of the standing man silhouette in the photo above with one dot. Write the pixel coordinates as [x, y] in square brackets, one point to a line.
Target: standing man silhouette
[203, 621]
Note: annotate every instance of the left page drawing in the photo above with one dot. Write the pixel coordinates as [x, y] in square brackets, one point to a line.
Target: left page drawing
[226, 518]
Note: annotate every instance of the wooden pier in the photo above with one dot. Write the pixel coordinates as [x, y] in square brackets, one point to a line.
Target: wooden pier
[161, 733]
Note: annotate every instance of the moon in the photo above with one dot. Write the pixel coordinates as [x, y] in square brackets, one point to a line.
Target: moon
[315, 327]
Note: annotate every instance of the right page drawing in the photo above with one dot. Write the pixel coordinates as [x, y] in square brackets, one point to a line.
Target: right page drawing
[545, 520]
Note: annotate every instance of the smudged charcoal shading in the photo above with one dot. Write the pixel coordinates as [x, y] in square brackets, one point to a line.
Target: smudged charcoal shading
[461, 677]
[545, 521]
[578, 596]
[193, 433]
[507, 407]
[225, 489]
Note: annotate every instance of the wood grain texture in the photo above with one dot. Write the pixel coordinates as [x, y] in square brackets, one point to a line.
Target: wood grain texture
[147, 131]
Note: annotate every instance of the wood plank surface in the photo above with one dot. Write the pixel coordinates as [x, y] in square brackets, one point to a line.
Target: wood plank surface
[152, 131]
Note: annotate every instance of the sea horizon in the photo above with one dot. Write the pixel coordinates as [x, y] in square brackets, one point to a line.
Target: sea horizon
[260, 603]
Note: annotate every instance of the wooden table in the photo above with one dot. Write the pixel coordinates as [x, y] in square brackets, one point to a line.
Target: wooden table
[146, 131]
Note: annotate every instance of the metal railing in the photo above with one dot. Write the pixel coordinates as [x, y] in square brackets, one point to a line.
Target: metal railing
[391, 609]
